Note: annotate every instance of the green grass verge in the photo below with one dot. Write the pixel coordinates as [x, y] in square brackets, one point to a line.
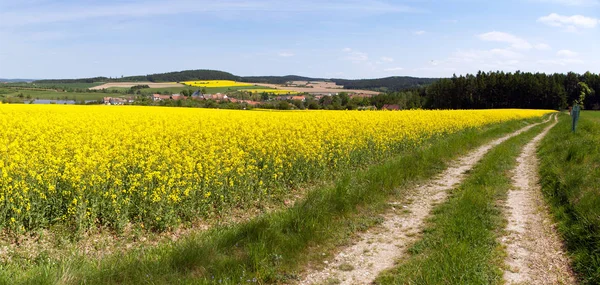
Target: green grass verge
[27, 95]
[459, 244]
[56, 85]
[273, 247]
[570, 175]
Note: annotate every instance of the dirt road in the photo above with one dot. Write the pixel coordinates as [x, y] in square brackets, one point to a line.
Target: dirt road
[534, 249]
[378, 248]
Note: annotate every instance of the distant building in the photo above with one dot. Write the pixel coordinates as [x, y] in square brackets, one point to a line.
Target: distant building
[217, 96]
[249, 102]
[177, 97]
[158, 97]
[367, 108]
[198, 94]
[391, 107]
[300, 98]
[116, 101]
[361, 95]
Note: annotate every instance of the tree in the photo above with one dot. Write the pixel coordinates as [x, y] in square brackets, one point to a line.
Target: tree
[585, 91]
[264, 96]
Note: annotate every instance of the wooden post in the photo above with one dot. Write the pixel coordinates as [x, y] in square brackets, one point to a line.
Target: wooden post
[575, 117]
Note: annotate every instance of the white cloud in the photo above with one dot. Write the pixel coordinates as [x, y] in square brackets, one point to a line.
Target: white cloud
[393, 69]
[513, 40]
[570, 23]
[479, 55]
[505, 53]
[542, 46]
[561, 61]
[572, 2]
[419, 33]
[285, 54]
[566, 53]
[387, 59]
[22, 14]
[353, 55]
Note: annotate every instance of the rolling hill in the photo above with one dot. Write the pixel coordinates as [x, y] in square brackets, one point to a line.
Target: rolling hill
[380, 84]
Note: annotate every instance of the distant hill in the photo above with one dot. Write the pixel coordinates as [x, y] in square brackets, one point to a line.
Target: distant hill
[278, 79]
[379, 84]
[15, 80]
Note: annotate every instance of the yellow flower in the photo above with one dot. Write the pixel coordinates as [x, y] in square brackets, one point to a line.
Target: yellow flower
[130, 161]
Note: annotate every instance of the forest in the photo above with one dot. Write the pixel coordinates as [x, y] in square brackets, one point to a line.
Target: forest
[485, 90]
[395, 83]
[513, 90]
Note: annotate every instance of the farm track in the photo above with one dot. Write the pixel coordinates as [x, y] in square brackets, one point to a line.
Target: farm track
[534, 249]
[377, 249]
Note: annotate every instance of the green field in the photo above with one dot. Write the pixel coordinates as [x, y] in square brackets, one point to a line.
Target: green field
[32, 94]
[62, 86]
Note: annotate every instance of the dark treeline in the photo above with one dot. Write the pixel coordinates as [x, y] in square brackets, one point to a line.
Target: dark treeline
[395, 83]
[187, 75]
[512, 90]
[80, 80]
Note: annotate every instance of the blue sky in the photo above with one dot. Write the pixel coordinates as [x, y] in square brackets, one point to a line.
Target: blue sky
[347, 39]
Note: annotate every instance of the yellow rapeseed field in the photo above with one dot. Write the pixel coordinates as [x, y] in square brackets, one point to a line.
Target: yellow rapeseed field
[216, 83]
[157, 167]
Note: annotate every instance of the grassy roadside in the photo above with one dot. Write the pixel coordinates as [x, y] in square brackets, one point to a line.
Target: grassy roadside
[570, 175]
[270, 248]
[459, 245]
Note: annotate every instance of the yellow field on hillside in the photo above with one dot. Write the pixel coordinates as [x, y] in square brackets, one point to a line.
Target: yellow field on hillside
[156, 166]
[216, 83]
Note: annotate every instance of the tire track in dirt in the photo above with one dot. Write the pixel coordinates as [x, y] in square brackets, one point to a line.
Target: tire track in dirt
[377, 249]
[534, 249]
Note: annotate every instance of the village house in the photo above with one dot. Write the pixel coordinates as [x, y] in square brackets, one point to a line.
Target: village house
[367, 108]
[299, 98]
[116, 101]
[360, 95]
[249, 102]
[217, 96]
[391, 107]
[158, 97]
